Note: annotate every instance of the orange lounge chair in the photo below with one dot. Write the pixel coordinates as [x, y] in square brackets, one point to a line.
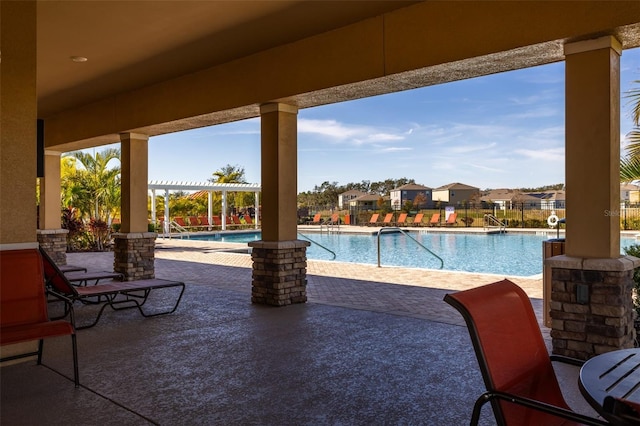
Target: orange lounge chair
[374, 219]
[317, 220]
[417, 220]
[402, 220]
[387, 219]
[335, 219]
[451, 220]
[435, 220]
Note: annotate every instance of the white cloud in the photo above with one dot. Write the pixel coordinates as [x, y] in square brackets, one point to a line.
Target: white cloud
[342, 132]
[536, 113]
[463, 149]
[394, 149]
[552, 154]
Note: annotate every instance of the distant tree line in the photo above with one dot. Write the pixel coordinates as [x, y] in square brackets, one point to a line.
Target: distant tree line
[325, 196]
[554, 187]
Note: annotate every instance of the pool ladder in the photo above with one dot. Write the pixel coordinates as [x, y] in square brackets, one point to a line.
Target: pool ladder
[490, 221]
[383, 230]
[174, 225]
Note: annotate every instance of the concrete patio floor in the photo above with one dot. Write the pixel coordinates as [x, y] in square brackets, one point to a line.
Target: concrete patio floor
[372, 346]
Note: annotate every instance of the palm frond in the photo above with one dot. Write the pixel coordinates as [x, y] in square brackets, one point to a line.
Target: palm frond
[629, 169]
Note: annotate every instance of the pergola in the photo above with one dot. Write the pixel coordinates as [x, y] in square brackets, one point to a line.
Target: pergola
[210, 188]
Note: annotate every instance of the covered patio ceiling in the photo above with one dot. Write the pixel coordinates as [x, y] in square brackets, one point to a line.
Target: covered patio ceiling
[160, 67]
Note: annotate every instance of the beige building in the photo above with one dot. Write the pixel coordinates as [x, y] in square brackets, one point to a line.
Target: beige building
[455, 193]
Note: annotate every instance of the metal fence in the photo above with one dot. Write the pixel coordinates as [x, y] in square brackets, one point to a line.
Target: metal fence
[519, 216]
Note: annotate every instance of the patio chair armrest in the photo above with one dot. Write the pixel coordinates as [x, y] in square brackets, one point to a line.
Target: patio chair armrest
[567, 360]
[536, 405]
[69, 305]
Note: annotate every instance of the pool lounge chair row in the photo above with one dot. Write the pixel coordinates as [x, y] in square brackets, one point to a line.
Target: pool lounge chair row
[417, 220]
[318, 220]
[403, 220]
[201, 223]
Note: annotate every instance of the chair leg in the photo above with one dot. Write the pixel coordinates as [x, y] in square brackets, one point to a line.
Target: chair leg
[40, 346]
[74, 348]
[477, 407]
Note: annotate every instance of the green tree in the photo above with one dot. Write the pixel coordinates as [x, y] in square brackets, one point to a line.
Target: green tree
[92, 183]
[232, 174]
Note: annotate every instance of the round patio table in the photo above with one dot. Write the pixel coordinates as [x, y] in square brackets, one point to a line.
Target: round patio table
[615, 374]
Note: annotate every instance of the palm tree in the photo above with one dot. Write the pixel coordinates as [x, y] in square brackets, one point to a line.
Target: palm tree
[95, 188]
[630, 163]
[233, 174]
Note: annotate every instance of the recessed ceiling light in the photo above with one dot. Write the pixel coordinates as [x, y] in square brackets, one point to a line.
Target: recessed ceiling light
[78, 59]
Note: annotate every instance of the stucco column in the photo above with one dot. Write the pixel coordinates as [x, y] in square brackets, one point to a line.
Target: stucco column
[134, 163]
[279, 259]
[18, 114]
[591, 302]
[592, 153]
[279, 140]
[134, 246]
[51, 236]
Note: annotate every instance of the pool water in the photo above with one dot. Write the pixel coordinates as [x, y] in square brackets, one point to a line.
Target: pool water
[514, 254]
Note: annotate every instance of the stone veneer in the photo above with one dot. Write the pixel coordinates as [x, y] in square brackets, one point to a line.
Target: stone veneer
[54, 242]
[134, 254]
[279, 272]
[604, 321]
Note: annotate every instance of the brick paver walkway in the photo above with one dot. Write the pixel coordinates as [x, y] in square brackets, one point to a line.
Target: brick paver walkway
[400, 291]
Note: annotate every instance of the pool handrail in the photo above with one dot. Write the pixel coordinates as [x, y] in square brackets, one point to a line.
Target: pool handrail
[318, 244]
[386, 229]
[492, 221]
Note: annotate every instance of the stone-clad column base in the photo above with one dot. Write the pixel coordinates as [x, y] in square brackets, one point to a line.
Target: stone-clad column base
[279, 272]
[591, 305]
[54, 242]
[134, 254]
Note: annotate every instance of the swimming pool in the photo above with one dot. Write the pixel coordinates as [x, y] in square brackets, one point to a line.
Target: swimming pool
[515, 254]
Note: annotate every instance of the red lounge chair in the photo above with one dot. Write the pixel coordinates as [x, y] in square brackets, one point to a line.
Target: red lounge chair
[204, 222]
[247, 219]
[193, 222]
[417, 220]
[217, 221]
[181, 223]
[515, 365]
[23, 302]
[435, 220]
[451, 220]
[235, 220]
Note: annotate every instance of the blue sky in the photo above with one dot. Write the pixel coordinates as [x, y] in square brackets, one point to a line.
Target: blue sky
[502, 130]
